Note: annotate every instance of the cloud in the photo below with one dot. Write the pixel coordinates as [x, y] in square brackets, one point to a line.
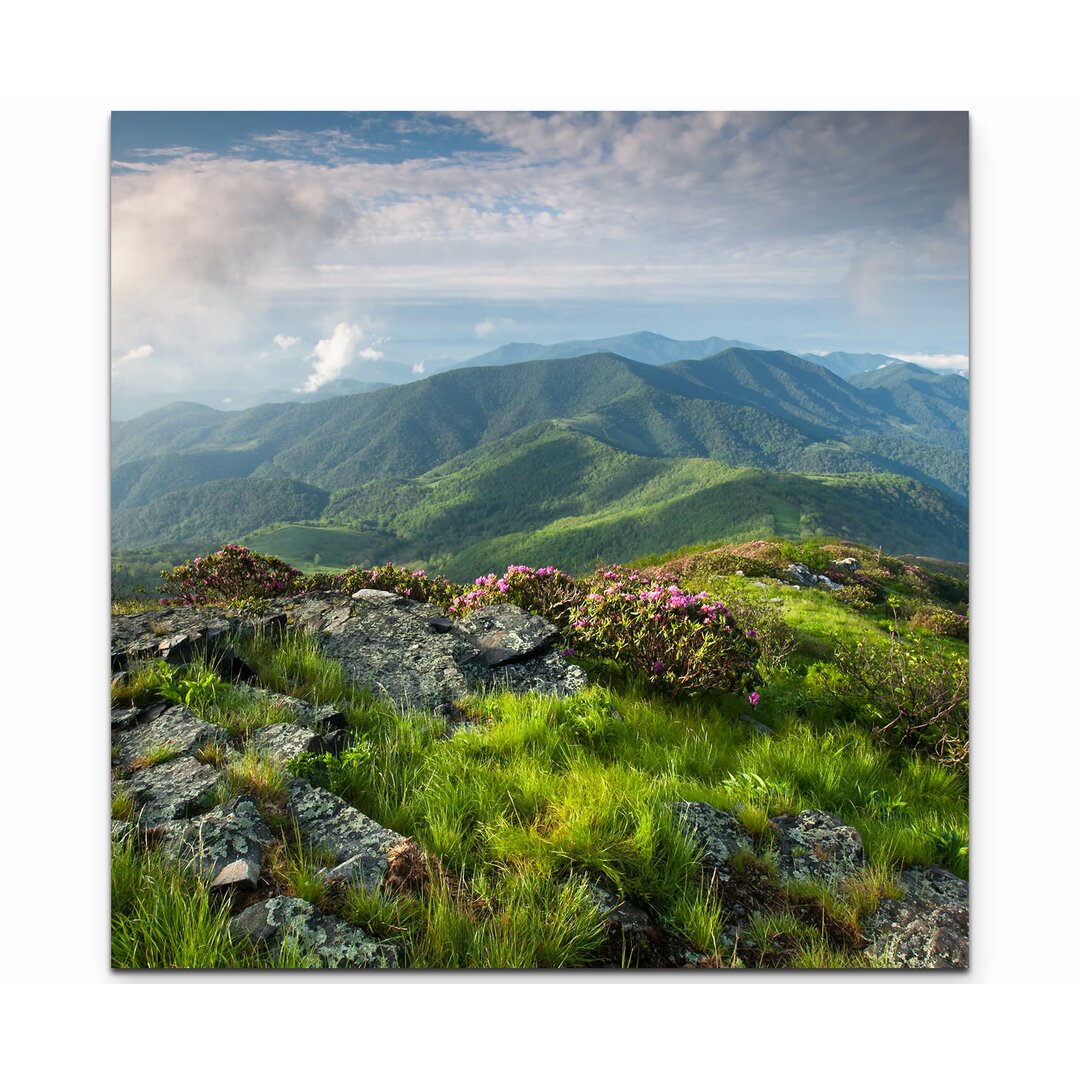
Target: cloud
[140, 352]
[956, 362]
[282, 341]
[418, 368]
[489, 326]
[334, 354]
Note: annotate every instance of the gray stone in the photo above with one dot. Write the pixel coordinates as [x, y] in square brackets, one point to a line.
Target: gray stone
[848, 565]
[620, 916]
[717, 833]
[172, 634]
[549, 674]
[506, 633]
[332, 942]
[225, 845]
[801, 574]
[296, 711]
[815, 846]
[928, 928]
[176, 727]
[178, 789]
[283, 742]
[123, 719]
[358, 845]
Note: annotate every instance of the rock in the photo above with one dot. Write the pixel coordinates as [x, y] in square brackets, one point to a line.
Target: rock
[359, 846]
[928, 928]
[717, 833]
[757, 725]
[124, 718]
[294, 710]
[828, 583]
[413, 655]
[175, 727]
[224, 845]
[815, 846]
[283, 742]
[178, 789]
[172, 634]
[507, 633]
[848, 566]
[334, 943]
[620, 916]
[801, 573]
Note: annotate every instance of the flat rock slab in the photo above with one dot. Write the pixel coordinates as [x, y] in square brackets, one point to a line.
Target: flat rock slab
[178, 789]
[334, 943]
[620, 916]
[717, 833]
[225, 846]
[928, 928]
[413, 655]
[506, 633]
[173, 634]
[296, 711]
[178, 728]
[359, 846]
[283, 742]
[815, 846]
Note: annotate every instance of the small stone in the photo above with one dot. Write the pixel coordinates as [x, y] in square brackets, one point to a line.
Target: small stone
[507, 633]
[283, 742]
[332, 942]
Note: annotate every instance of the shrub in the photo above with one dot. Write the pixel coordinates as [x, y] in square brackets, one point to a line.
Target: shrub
[230, 576]
[547, 592]
[941, 621]
[911, 697]
[858, 597]
[414, 584]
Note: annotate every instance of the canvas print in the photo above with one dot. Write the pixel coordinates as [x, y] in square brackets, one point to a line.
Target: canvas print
[539, 540]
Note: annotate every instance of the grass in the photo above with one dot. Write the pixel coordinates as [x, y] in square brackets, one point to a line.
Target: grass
[517, 813]
[165, 917]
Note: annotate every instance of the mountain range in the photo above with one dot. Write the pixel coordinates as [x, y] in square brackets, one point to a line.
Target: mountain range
[514, 457]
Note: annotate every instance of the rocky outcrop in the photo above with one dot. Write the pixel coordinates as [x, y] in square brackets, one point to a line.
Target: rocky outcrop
[800, 574]
[718, 834]
[417, 658]
[928, 928]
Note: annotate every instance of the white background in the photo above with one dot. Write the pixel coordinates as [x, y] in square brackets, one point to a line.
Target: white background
[66, 69]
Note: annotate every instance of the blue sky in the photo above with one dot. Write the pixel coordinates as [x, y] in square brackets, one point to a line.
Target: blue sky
[257, 250]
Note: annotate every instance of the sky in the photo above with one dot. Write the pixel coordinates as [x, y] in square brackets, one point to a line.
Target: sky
[262, 250]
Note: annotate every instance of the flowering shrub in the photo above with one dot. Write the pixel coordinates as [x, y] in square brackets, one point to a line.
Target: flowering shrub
[681, 642]
[232, 575]
[547, 592]
[941, 621]
[414, 584]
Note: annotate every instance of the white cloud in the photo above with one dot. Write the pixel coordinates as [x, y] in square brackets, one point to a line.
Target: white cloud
[418, 368]
[141, 352]
[489, 326]
[956, 362]
[282, 341]
[334, 354]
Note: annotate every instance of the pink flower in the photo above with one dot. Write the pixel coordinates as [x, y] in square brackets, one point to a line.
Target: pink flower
[754, 699]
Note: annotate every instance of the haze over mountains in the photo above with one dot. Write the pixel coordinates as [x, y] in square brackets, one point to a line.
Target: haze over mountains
[576, 453]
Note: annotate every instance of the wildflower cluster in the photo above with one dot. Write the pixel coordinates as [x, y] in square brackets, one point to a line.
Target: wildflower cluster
[682, 642]
[547, 592]
[415, 584]
[232, 575]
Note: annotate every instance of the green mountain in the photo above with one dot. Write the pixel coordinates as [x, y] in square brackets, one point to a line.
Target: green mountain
[438, 465]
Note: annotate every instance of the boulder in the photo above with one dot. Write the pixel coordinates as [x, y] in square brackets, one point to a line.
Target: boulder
[332, 942]
[411, 654]
[283, 742]
[175, 727]
[928, 928]
[815, 846]
[848, 566]
[801, 574]
[359, 846]
[718, 834]
[177, 789]
[224, 846]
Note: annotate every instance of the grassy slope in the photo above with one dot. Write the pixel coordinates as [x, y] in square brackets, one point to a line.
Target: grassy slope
[542, 792]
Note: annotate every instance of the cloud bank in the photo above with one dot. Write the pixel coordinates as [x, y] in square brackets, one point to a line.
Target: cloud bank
[334, 354]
